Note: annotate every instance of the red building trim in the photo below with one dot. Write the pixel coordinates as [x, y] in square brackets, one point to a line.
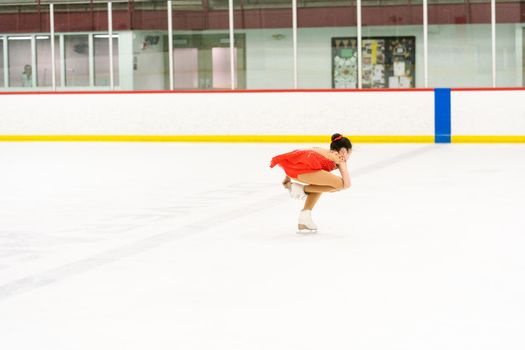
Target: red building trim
[490, 89]
[228, 91]
[247, 91]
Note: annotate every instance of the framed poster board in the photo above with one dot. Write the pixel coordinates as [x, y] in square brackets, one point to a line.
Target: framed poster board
[388, 62]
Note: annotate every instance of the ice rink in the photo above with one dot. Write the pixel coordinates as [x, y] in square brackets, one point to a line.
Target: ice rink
[189, 246]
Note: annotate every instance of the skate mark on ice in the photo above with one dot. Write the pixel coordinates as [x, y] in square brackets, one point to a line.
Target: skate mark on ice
[63, 272]
[58, 274]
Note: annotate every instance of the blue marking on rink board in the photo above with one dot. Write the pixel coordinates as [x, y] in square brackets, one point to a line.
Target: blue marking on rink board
[442, 113]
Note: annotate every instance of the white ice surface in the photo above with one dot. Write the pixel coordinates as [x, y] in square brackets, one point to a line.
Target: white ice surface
[193, 246]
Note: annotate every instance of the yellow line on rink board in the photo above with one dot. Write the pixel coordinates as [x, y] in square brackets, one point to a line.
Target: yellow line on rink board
[214, 138]
[391, 139]
[257, 138]
[488, 139]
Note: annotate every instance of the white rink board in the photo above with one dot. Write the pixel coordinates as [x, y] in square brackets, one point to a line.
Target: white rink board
[495, 113]
[258, 113]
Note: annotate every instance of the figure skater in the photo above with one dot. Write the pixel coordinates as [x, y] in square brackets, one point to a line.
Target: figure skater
[312, 167]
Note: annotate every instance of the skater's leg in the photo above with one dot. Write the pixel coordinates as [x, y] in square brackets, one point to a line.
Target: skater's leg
[317, 183]
[318, 189]
[287, 182]
[311, 200]
[321, 181]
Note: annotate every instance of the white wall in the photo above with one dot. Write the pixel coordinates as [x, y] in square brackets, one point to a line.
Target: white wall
[460, 55]
[509, 55]
[125, 60]
[269, 61]
[363, 113]
[151, 71]
[314, 51]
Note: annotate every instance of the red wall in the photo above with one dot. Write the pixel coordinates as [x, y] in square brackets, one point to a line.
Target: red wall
[511, 12]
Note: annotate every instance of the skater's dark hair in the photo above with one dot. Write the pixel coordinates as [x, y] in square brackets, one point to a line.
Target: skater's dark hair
[339, 141]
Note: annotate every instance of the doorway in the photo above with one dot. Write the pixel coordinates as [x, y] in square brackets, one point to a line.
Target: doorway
[202, 61]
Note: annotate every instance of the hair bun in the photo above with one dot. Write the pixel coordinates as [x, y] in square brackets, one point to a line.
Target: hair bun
[336, 137]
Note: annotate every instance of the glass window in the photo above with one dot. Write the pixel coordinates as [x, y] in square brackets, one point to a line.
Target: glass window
[76, 23]
[201, 47]
[325, 34]
[510, 43]
[459, 44]
[76, 56]
[58, 60]
[392, 44]
[186, 68]
[264, 42]
[101, 52]
[2, 79]
[27, 18]
[221, 68]
[20, 62]
[43, 60]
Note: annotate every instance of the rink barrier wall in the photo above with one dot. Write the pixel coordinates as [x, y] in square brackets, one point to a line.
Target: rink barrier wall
[488, 115]
[459, 115]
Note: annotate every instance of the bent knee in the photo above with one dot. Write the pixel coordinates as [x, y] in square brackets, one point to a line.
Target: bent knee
[339, 186]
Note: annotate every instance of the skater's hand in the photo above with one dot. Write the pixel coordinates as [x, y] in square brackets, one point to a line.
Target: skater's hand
[344, 154]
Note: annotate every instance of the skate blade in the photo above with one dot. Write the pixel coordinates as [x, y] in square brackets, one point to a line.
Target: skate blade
[306, 231]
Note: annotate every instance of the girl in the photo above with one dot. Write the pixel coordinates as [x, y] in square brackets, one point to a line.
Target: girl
[312, 167]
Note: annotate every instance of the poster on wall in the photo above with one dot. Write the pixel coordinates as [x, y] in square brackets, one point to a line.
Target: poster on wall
[344, 63]
[387, 62]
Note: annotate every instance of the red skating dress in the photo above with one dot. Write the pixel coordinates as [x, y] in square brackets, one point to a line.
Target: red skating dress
[302, 161]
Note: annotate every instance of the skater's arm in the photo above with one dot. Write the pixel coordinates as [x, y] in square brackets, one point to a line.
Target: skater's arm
[344, 174]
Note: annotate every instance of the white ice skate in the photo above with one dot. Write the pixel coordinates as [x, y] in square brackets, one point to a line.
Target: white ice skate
[297, 191]
[306, 225]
